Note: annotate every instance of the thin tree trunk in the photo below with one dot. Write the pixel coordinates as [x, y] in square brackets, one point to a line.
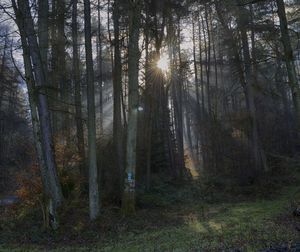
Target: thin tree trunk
[195, 66]
[78, 102]
[43, 36]
[109, 36]
[179, 107]
[61, 68]
[216, 93]
[148, 105]
[3, 61]
[289, 60]
[100, 67]
[94, 200]
[201, 66]
[207, 44]
[117, 84]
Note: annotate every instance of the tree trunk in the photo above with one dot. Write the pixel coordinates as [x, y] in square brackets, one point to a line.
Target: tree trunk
[148, 105]
[43, 36]
[246, 80]
[289, 60]
[128, 203]
[258, 153]
[100, 67]
[36, 125]
[195, 65]
[207, 44]
[117, 85]
[201, 66]
[179, 106]
[64, 90]
[78, 102]
[92, 153]
[25, 24]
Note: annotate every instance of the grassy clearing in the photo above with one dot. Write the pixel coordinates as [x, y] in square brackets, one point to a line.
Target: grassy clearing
[248, 226]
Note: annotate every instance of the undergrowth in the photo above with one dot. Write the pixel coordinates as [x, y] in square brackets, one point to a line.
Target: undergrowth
[172, 216]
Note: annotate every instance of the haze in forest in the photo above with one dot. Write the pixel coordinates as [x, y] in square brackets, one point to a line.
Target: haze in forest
[149, 125]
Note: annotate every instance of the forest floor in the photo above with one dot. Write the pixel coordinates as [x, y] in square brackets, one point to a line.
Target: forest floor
[172, 218]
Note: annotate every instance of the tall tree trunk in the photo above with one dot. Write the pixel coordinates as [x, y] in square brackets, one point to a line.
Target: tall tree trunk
[179, 106]
[61, 69]
[54, 92]
[207, 44]
[201, 65]
[258, 153]
[117, 84]
[289, 60]
[128, 203]
[246, 80]
[30, 83]
[3, 63]
[195, 65]
[26, 26]
[43, 36]
[216, 93]
[148, 104]
[109, 35]
[92, 153]
[78, 102]
[100, 67]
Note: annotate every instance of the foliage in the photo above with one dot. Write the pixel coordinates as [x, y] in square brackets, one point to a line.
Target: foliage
[30, 186]
[68, 162]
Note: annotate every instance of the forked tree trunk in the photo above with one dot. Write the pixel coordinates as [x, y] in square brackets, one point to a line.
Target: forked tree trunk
[25, 24]
[36, 125]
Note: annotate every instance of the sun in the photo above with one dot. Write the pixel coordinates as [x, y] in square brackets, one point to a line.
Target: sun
[163, 63]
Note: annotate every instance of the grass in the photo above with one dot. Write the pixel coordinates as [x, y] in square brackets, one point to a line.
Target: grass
[247, 226]
[186, 226]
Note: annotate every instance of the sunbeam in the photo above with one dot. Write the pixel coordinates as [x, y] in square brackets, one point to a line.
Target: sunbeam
[163, 63]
